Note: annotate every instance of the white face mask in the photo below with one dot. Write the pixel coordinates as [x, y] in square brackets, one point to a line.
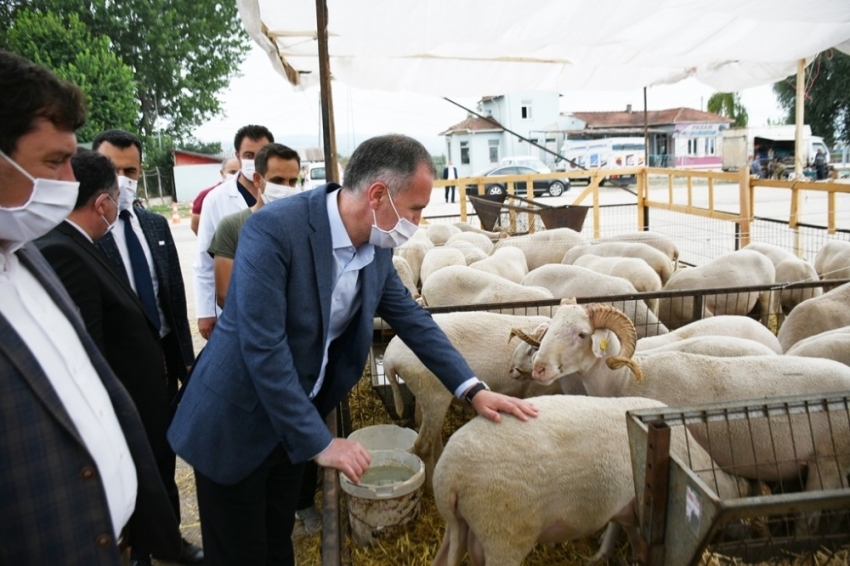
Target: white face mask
[228, 177]
[248, 168]
[400, 233]
[273, 191]
[126, 192]
[110, 225]
[49, 204]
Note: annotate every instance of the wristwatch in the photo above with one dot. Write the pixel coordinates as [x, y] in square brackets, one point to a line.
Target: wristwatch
[474, 390]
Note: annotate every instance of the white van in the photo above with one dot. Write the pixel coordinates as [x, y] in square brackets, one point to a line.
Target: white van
[312, 175]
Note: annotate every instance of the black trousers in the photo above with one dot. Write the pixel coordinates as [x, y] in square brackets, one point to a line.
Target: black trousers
[251, 522]
[450, 188]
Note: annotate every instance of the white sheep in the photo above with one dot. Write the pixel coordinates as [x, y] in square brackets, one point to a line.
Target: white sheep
[413, 251]
[656, 259]
[522, 361]
[508, 262]
[546, 246]
[634, 270]
[479, 240]
[573, 281]
[833, 260]
[598, 342]
[439, 234]
[832, 345]
[789, 269]
[819, 314]
[405, 273]
[439, 258]
[471, 252]
[743, 268]
[482, 338]
[502, 488]
[492, 236]
[657, 240]
[723, 325]
[459, 285]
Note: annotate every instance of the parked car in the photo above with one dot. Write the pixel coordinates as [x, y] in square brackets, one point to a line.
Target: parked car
[526, 161]
[553, 187]
[312, 175]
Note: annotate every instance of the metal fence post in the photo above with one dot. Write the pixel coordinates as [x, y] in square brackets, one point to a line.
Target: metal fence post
[655, 492]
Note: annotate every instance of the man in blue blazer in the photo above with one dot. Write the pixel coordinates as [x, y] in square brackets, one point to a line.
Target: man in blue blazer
[311, 273]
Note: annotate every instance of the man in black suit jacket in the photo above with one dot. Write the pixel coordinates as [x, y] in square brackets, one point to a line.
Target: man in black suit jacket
[75, 462]
[113, 314]
[450, 172]
[169, 315]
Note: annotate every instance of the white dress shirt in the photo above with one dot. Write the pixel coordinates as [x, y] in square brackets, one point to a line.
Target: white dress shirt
[53, 342]
[121, 242]
[223, 200]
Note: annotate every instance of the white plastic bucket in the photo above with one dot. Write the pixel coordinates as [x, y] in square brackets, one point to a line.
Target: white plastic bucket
[385, 437]
[387, 498]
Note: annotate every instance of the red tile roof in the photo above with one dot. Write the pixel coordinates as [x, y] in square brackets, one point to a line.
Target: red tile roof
[654, 117]
[473, 124]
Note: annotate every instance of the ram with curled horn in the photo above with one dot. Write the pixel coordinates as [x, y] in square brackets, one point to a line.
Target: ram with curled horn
[579, 336]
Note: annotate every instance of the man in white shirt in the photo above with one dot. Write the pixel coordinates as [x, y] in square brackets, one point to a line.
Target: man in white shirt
[76, 472]
[231, 196]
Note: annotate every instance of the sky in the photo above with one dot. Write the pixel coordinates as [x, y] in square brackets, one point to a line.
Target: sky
[261, 96]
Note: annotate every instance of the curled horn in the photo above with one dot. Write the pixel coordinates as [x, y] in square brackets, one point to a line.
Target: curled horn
[606, 316]
[524, 337]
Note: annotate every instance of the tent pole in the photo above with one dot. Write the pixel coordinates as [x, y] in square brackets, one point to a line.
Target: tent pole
[328, 128]
[799, 119]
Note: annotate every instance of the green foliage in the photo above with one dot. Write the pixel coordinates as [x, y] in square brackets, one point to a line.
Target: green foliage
[729, 104]
[197, 146]
[827, 103]
[89, 62]
[182, 52]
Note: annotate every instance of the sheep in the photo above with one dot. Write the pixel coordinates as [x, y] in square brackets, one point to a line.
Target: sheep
[598, 342]
[657, 260]
[831, 345]
[479, 240]
[574, 281]
[507, 262]
[743, 268]
[522, 360]
[413, 251]
[492, 236]
[471, 252]
[833, 260]
[483, 339]
[658, 241]
[819, 314]
[723, 325]
[459, 285]
[439, 234]
[789, 269]
[437, 259]
[501, 488]
[547, 246]
[405, 273]
[719, 346]
[634, 270]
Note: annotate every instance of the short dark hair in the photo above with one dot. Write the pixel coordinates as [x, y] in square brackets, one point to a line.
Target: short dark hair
[261, 160]
[119, 138]
[28, 92]
[253, 132]
[96, 175]
[393, 159]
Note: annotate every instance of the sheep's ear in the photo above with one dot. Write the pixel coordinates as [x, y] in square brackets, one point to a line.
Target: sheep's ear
[602, 343]
[568, 301]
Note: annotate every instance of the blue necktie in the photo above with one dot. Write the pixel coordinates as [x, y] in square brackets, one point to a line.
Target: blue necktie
[141, 271]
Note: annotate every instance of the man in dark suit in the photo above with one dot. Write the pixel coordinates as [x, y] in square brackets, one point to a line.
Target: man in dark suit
[311, 273]
[159, 285]
[450, 172]
[77, 476]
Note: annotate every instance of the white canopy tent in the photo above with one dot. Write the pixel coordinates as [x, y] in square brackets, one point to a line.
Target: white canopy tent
[478, 47]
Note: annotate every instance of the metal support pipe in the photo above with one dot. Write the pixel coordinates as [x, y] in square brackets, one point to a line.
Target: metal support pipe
[655, 491]
[331, 538]
[328, 129]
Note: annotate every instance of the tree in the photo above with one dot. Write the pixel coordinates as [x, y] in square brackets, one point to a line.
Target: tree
[827, 101]
[71, 52]
[183, 52]
[729, 104]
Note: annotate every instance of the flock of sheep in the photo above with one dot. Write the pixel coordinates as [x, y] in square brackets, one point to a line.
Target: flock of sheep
[504, 487]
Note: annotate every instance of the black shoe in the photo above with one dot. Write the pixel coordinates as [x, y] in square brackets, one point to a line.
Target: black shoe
[191, 553]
